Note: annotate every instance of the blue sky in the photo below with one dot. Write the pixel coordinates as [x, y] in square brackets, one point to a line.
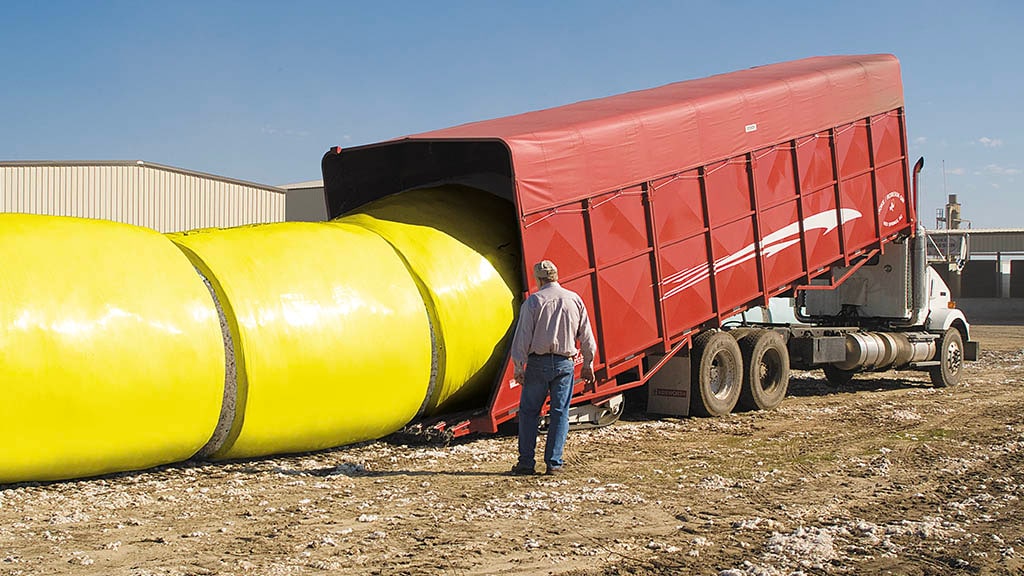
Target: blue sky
[259, 90]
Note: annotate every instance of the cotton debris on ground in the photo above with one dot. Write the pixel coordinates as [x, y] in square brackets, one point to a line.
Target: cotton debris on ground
[883, 475]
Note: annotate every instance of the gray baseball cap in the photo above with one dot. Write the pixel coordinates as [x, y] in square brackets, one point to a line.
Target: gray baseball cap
[545, 270]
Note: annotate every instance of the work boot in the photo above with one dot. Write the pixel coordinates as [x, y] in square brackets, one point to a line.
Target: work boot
[554, 470]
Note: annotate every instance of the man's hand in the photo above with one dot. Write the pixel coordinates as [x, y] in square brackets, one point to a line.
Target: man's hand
[519, 377]
[587, 373]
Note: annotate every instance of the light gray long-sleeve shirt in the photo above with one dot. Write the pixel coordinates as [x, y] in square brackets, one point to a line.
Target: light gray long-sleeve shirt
[551, 320]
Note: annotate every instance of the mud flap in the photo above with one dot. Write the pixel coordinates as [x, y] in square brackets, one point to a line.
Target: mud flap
[971, 350]
[668, 390]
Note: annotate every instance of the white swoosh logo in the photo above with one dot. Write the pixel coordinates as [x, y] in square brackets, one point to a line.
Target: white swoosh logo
[771, 245]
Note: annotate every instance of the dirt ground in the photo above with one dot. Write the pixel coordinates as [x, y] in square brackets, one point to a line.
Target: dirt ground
[884, 476]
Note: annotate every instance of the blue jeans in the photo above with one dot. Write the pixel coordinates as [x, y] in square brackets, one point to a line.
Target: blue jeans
[547, 374]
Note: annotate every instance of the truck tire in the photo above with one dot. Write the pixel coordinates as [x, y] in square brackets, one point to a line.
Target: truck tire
[838, 376]
[740, 333]
[765, 370]
[951, 359]
[716, 370]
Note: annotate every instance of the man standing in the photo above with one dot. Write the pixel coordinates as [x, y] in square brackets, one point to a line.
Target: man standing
[551, 320]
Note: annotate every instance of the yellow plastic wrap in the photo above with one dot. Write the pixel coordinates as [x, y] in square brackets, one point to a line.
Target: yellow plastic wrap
[461, 244]
[111, 356]
[331, 338]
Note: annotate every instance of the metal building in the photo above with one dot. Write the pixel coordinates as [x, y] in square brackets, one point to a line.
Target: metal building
[164, 198]
[981, 276]
[306, 201]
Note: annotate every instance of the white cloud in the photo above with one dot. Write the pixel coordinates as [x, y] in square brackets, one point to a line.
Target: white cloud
[990, 142]
[273, 131]
[956, 172]
[997, 170]
[920, 140]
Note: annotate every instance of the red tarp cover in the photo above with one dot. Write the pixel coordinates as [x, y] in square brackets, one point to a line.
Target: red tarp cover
[575, 151]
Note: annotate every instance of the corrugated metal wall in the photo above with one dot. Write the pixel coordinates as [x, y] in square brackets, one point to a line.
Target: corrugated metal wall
[154, 196]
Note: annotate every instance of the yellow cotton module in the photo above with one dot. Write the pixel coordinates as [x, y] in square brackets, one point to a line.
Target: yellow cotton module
[122, 349]
[331, 339]
[111, 355]
[461, 245]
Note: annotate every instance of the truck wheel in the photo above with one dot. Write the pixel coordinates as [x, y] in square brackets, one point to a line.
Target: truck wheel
[951, 359]
[717, 373]
[838, 376]
[741, 333]
[765, 370]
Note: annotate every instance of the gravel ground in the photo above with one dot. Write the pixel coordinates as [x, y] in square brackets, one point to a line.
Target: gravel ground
[883, 476]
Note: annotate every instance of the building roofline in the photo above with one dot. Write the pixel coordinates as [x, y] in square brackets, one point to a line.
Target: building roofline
[307, 185]
[978, 231]
[141, 163]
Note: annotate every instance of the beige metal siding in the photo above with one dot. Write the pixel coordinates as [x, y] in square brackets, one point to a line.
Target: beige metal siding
[156, 197]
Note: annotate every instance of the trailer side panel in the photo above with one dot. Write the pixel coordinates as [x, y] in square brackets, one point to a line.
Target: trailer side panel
[674, 208]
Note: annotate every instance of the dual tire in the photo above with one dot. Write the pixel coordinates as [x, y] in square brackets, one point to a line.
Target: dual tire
[749, 374]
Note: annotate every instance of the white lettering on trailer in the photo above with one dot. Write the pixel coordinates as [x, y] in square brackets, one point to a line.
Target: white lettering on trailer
[771, 245]
[893, 198]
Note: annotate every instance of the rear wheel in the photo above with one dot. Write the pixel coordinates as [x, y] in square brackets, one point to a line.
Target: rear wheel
[740, 333]
[951, 359]
[716, 368]
[765, 370]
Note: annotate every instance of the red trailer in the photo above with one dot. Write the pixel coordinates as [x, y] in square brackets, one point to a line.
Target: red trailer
[673, 209]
